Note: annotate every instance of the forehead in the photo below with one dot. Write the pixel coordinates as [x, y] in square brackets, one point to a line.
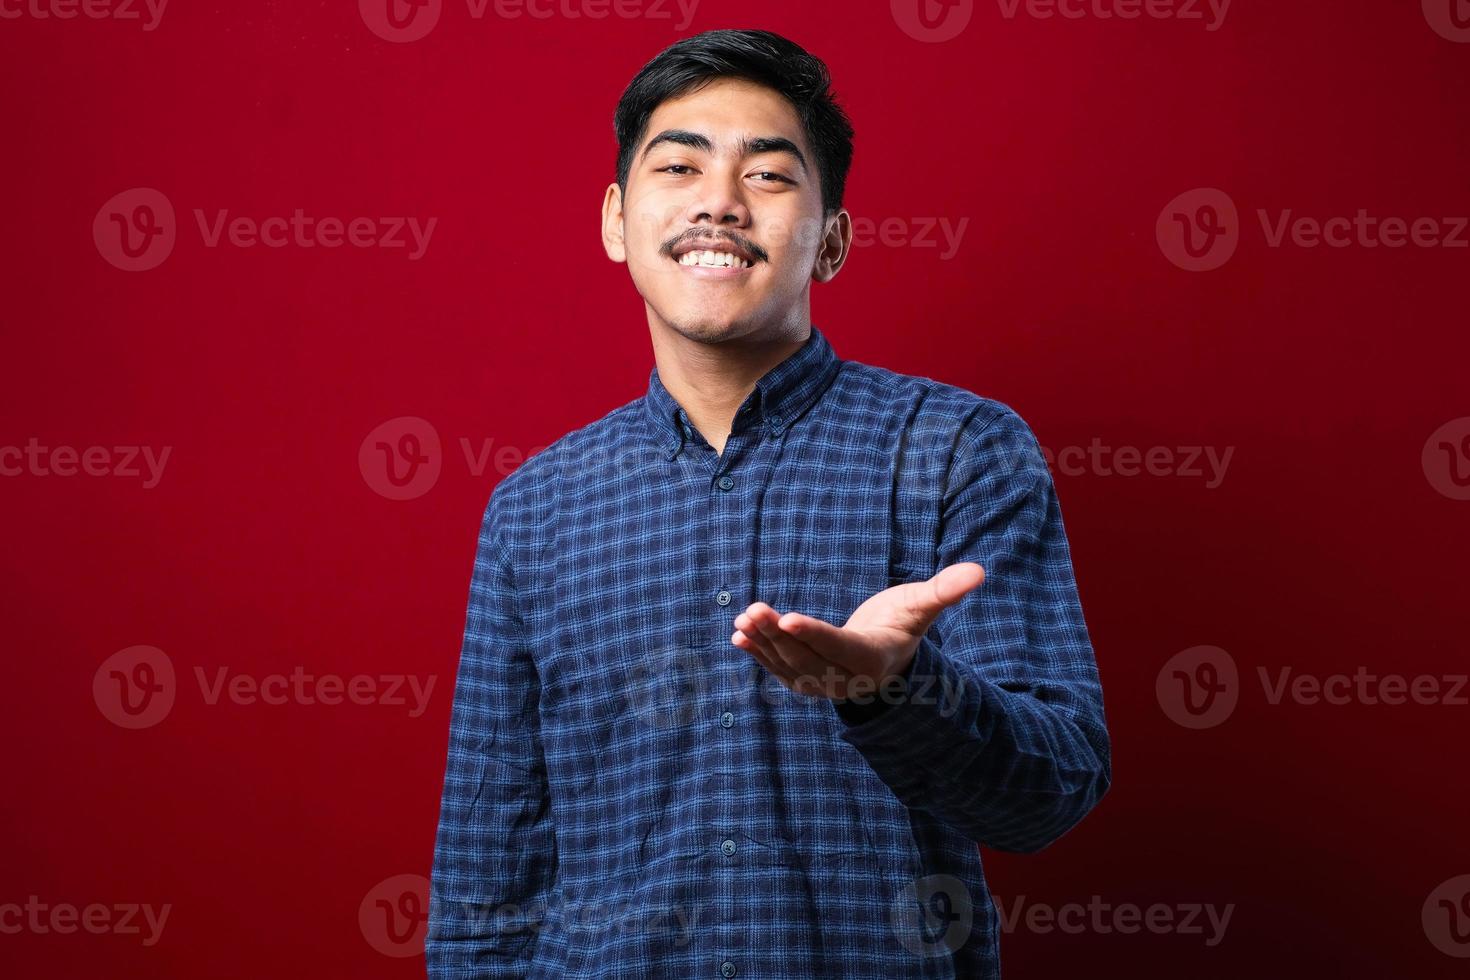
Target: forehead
[728, 108]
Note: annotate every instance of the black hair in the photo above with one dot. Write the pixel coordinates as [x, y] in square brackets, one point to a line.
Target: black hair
[758, 56]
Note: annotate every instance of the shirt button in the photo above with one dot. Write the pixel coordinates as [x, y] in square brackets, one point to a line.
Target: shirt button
[723, 597]
[727, 969]
[728, 846]
[724, 483]
[727, 719]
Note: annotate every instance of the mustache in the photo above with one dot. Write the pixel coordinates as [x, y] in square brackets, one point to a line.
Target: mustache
[755, 251]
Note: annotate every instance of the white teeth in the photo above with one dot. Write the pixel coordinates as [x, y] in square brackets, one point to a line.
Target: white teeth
[714, 260]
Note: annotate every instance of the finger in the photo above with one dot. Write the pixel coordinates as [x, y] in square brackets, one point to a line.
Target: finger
[748, 637]
[752, 647]
[815, 673]
[751, 641]
[953, 582]
[927, 599]
[844, 648]
[773, 664]
[745, 625]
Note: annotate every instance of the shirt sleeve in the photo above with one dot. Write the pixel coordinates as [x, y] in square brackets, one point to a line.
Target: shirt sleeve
[997, 727]
[495, 852]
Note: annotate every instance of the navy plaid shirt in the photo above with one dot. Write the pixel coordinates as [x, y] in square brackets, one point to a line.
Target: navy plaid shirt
[630, 795]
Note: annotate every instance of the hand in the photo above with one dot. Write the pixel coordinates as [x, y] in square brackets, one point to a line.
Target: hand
[876, 644]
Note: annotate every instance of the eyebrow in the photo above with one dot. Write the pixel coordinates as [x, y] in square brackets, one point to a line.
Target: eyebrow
[744, 147]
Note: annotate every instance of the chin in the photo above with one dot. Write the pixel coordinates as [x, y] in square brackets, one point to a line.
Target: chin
[706, 330]
[709, 325]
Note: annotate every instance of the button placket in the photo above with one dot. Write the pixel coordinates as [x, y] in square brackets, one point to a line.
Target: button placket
[725, 508]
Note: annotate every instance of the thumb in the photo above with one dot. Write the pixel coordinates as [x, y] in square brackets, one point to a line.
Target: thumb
[948, 586]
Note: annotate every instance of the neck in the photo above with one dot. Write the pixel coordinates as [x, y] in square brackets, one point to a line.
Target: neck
[710, 380]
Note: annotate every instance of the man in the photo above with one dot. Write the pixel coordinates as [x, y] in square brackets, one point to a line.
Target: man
[731, 702]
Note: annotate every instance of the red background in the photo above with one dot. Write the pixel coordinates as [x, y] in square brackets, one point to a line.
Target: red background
[263, 548]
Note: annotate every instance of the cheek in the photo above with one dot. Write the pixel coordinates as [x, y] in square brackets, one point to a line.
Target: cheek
[653, 218]
[641, 251]
[791, 267]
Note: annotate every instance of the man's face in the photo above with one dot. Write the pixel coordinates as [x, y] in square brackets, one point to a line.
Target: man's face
[727, 167]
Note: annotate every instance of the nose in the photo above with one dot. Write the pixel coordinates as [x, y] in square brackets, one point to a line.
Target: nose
[718, 200]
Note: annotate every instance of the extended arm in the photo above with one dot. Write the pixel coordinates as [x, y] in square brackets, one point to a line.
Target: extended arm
[495, 851]
[1002, 732]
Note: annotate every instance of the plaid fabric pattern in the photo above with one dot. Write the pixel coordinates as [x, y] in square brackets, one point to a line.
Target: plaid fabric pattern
[629, 795]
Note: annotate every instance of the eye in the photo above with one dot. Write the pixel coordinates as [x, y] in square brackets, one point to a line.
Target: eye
[779, 177]
[674, 166]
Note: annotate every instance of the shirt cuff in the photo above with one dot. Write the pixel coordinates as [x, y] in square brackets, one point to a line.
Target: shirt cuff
[913, 721]
[878, 703]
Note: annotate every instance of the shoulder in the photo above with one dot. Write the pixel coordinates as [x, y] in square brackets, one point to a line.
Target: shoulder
[523, 498]
[945, 417]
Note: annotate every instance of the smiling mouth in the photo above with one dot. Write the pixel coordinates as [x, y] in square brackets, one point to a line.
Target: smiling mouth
[704, 258]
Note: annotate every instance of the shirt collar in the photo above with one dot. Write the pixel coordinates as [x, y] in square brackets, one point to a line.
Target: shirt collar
[780, 397]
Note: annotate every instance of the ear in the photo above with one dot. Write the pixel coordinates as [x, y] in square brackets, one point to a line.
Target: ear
[612, 224]
[833, 250]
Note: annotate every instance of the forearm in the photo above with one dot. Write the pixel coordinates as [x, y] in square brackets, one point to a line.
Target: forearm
[495, 856]
[494, 869]
[1013, 770]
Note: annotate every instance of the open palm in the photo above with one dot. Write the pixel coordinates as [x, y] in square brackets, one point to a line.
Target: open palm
[813, 657]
